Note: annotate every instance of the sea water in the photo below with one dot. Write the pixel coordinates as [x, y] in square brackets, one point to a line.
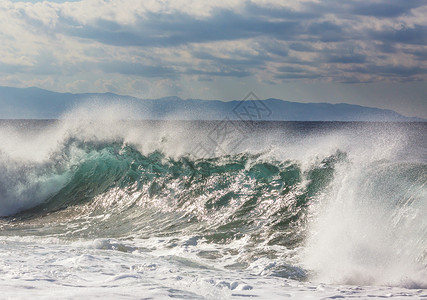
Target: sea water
[101, 205]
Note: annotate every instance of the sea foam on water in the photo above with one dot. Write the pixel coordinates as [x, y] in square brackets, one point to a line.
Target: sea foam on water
[101, 203]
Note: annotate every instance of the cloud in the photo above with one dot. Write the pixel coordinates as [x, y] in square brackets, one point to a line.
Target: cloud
[254, 10]
[222, 73]
[347, 59]
[416, 35]
[419, 54]
[138, 69]
[171, 40]
[326, 31]
[386, 9]
[392, 71]
[290, 69]
[302, 47]
[169, 30]
[297, 76]
[6, 68]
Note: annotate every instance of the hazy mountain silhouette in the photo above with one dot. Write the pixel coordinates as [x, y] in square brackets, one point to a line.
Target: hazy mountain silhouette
[35, 103]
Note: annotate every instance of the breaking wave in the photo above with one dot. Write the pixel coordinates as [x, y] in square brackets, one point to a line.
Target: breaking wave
[334, 205]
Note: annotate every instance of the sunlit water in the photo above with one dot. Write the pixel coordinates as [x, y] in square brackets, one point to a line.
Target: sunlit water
[96, 206]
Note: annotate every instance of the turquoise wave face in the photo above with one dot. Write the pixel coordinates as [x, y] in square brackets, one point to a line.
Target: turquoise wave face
[220, 198]
[337, 207]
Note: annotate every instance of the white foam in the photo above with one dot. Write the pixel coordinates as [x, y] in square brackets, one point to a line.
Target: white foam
[42, 270]
[360, 236]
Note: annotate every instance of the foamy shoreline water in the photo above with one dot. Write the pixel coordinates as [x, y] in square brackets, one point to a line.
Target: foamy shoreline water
[49, 270]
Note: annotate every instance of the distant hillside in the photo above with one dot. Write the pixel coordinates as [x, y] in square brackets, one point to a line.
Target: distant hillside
[35, 103]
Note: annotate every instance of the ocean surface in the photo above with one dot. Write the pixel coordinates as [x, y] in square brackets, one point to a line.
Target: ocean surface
[98, 205]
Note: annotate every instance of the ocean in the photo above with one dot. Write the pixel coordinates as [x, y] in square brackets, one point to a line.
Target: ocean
[101, 205]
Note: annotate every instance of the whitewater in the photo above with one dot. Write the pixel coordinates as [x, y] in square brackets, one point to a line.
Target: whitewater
[99, 204]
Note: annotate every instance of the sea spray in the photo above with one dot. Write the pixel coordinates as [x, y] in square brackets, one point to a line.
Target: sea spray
[369, 228]
[331, 202]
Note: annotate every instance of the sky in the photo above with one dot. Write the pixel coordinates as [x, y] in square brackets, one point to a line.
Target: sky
[371, 53]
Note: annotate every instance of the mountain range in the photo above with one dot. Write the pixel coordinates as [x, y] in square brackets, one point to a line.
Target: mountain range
[35, 103]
